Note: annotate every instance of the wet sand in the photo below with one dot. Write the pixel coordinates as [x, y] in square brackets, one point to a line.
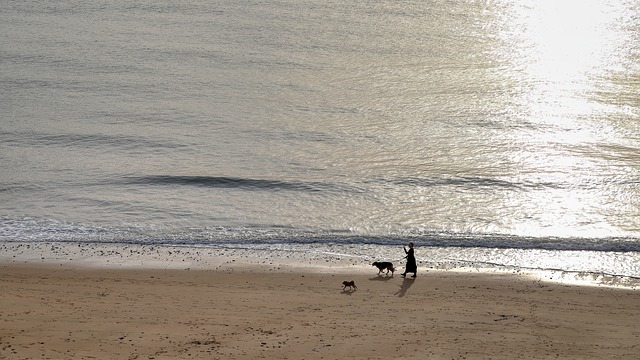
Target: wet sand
[249, 311]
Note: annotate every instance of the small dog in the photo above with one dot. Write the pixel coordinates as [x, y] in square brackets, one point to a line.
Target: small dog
[384, 265]
[351, 284]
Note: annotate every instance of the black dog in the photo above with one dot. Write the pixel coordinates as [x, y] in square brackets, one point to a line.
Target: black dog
[350, 284]
[384, 265]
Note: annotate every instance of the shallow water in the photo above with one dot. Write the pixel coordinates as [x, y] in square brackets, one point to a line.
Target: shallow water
[491, 133]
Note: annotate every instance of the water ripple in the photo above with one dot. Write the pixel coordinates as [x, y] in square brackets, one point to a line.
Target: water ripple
[231, 182]
[36, 139]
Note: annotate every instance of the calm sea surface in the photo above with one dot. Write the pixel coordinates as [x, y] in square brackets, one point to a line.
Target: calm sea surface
[494, 132]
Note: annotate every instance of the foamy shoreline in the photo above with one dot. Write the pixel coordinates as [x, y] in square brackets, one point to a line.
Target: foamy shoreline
[225, 257]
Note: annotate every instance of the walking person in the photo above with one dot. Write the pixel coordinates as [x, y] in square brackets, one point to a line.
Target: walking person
[411, 266]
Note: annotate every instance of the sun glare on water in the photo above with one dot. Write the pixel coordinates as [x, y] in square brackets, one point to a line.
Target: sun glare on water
[564, 49]
[561, 53]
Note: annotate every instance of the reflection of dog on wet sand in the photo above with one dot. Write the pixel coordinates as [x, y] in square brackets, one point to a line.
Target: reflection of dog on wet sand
[351, 284]
[384, 265]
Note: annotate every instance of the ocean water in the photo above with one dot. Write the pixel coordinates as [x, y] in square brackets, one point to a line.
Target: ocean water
[490, 133]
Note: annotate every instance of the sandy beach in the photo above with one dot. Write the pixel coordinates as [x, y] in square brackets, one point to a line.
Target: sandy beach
[253, 312]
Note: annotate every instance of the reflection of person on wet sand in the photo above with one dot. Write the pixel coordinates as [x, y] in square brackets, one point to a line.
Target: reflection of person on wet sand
[411, 262]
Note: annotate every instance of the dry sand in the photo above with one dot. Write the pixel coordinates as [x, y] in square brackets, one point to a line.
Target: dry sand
[64, 312]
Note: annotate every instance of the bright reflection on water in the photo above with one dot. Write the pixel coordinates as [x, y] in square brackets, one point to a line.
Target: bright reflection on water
[562, 59]
[495, 133]
[372, 118]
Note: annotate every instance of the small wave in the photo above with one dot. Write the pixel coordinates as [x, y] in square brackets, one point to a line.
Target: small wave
[42, 230]
[231, 182]
[472, 183]
[475, 182]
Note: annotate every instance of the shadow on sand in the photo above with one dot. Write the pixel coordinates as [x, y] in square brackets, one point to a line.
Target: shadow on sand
[406, 284]
[348, 291]
[381, 278]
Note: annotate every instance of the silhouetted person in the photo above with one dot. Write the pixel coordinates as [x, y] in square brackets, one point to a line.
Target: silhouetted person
[411, 266]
